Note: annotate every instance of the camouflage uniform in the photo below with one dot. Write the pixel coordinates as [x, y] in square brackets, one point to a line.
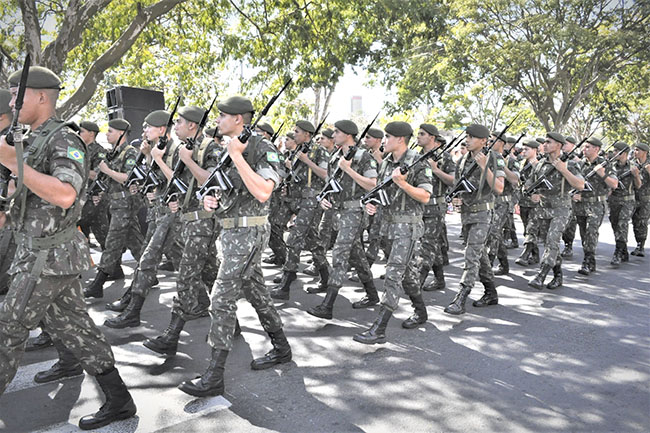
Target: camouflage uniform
[527, 207]
[590, 209]
[279, 216]
[50, 256]
[124, 229]
[503, 205]
[7, 249]
[244, 233]
[642, 210]
[95, 217]
[621, 207]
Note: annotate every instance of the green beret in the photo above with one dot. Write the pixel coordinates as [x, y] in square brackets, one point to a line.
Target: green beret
[119, 124]
[347, 127]
[89, 126]
[376, 133]
[327, 132]
[5, 99]
[556, 136]
[399, 129]
[440, 139]
[510, 139]
[642, 146]
[37, 78]
[496, 134]
[157, 118]
[540, 140]
[236, 105]
[478, 131]
[290, 135]
[595, 142]
[430, 129]
[191, 113]
[534, 144]
[620, 145]
[306, 125]
[266, 127]
[571, 140]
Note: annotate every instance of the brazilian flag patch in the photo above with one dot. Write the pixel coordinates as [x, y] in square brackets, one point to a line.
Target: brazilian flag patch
[130, 162]
[501, 162]
[75, 154]
[272, 157]
[428, 172]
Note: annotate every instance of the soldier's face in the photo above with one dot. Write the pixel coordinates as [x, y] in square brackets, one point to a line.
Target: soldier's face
[29, 111]
[425, 140]
[112, 135]
[640, 154]
[300, 136]
[372, 142]
[391, 143]
[227, 123]
[475, 143]
[339, 137]
[290, 143]
[591, 151]
[182, 128]
[551, 146]
[87, 136]
[529, 152]
[567, 147]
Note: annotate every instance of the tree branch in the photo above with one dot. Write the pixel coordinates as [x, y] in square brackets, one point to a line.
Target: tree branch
[32, 29]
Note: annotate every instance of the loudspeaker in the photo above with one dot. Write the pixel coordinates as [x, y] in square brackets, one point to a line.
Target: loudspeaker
[133, 104]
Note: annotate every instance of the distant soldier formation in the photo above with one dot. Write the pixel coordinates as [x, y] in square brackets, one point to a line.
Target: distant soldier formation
[215, 198]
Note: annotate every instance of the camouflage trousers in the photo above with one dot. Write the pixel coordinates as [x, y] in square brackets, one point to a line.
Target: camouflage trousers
[123, 232]
[7, 252]
[552, 224]
[95, 219]
[240, 251]
[569, 233]
[57, 303]
[279, 216]
[530, 222]
[477, 264]
[164, 239]
[197, 270]
[590, 217]
[640, 220]
[326, 228]
[430, 253]
[376, 238]
[495, 245]
[348, 248]
[304, 234]
[402, 273]
[620, 214]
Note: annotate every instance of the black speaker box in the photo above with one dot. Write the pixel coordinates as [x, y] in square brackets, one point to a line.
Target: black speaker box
[133, 104]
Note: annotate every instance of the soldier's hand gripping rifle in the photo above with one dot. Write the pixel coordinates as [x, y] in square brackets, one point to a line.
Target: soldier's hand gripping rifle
[218, 182]
[463, 184]
[378, 196]
[15, 138]
[543, 181]
[592, 173]
[177, 187]
[332, 185]
[293, 157]
[152, 180]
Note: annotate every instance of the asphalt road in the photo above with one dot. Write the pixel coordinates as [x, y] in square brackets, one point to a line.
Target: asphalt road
[575, 359]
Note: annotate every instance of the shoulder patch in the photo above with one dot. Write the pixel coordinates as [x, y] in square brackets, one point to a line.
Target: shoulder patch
[500, 162]
[101, 155]
[75, 154]
[428, 171]
[130, 162]
[272, 157]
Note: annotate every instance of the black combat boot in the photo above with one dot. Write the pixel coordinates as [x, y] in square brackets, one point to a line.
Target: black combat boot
[585, 269]
[371, 298]
[457, 306]
[167, 343]
[324, 273]
[538, 281]
[638, 251]
[280, 353]
[524, 257]
[211, 382]
[281, 291]
[41, 341]
[376, 334]
[567, 253]
[117, 273]
[118, 406]
[96, 288]
[67, 366]
[534, 257]
[129, 318]
[504, 266]
[325, 309]
[269, 260]
[122, 302]
[616, 258]
[625, 256]
[438, 283]
[419, 315]
[557, 277]
[490, 296]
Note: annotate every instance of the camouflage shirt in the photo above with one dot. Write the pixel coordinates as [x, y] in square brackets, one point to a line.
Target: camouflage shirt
[205, 155]
[364, 164]
[625, 184]
[508, 188]
[122, 161]
[483, 193]
[558, 195]
[525, 170]
[96, 154]
[643, 193]
[304, 177]
[598, 184]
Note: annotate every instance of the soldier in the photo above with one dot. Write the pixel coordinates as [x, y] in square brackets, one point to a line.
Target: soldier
[326, 229]
[94, 216]
[358, 174]
[198, 266]
[641, 173]
[509, 230]
[7, 244]
[123, 230]
[376, 240]
[51, 252]
[281, 210]
[570, 231]
[476, 213]
[403, 219]
[590, 205]
[555, 206]
[621, 203]
[528, 208]
[244, 233]
[435, 210]
[502, 204]
[308, 179]
[163, 233]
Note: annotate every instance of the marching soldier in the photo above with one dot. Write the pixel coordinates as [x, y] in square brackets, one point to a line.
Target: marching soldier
[570, 232]
[527, 208]
[641, 173]
[376, 239]
[7, 244]
[621, 203]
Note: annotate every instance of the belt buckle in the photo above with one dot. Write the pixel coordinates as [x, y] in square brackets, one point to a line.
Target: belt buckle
[244, 221]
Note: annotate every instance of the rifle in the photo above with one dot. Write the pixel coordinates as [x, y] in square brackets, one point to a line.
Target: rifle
[13, 137]
[588, 187]
[463, 184]
[98, 186]
[304, 148]
[543, 180]
[176, 187]
[277, 133]
[378, 195]
[332, 185]
[523, 134]
[218, 179]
